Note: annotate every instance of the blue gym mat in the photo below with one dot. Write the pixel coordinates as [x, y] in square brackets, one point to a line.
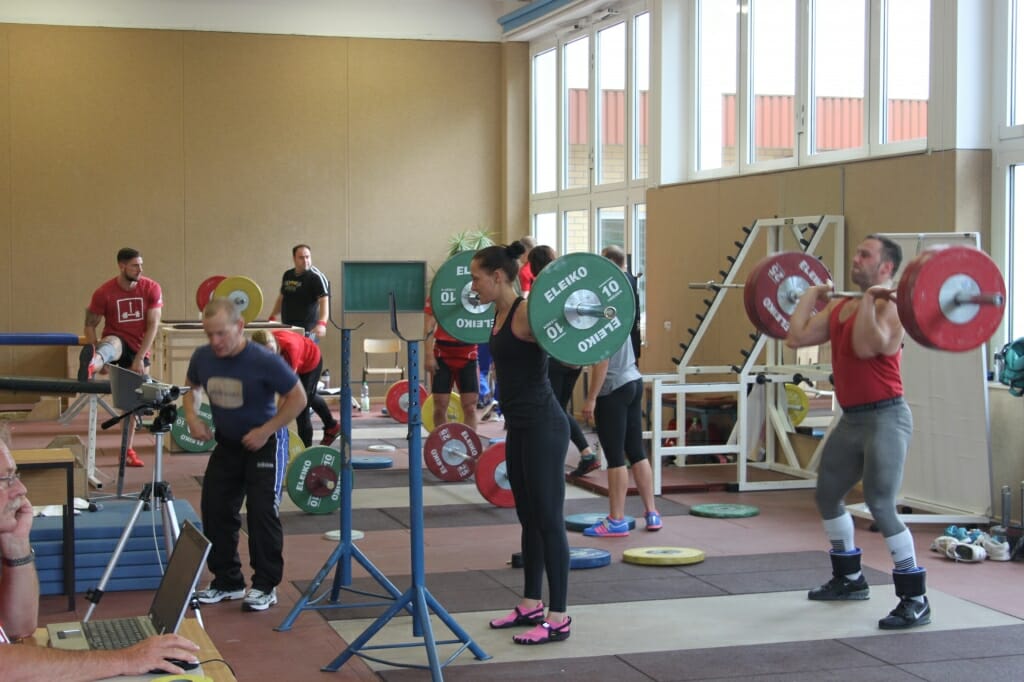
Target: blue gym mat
[140, 565]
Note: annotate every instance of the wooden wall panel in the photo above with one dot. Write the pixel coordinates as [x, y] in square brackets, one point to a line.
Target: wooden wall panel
[95, 149]
[216, 153]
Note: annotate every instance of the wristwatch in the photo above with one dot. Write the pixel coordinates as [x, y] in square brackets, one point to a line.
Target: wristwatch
[22, 561]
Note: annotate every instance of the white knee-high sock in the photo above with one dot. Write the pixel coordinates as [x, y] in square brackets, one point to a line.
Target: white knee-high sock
[840, 533]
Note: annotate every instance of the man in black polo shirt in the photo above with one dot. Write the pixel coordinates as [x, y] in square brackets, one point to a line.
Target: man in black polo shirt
[304, 300]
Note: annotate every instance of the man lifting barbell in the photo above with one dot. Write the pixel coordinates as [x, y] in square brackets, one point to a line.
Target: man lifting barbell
[871, 438]
[448, 362]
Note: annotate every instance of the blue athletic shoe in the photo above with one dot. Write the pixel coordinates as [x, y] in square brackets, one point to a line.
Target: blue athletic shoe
[608, 528]
[652, 520]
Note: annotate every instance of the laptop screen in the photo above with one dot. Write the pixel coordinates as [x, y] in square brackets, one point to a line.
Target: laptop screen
[179, 581]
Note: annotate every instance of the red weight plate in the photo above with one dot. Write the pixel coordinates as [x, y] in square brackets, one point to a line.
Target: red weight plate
[904, 297]
[321, 481]
[766, 289]
[451, 451]
[942, 273]
[205, 291]
[492, 478]
[397, 400]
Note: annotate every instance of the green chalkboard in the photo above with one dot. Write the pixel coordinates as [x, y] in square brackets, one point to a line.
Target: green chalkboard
[365, 286]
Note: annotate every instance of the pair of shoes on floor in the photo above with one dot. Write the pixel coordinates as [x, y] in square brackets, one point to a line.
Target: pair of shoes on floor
[253, 600]
[488, 412]
[545, 632]
[330, 434]
[585, 466]
[608, 528]
[967, 552]
[131, 458]
[652, 521]
[518, 617]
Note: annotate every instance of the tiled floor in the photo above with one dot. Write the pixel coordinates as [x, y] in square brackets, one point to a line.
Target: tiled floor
[742, 614]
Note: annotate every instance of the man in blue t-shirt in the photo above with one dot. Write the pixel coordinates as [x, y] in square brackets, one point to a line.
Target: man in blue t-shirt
[242, 381]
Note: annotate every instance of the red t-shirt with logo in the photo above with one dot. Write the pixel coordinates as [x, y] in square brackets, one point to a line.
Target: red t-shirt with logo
[124, 312]
[455, 353]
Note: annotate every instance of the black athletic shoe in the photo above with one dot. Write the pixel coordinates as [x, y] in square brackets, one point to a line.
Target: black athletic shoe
[85, 357]
[841, 588]
[908, 614]
[585, 466]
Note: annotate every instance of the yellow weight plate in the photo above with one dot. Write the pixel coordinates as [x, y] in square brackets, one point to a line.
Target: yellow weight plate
[797, 404]
[295, 445]
[455, 413]
[245, 293]
[663, 556]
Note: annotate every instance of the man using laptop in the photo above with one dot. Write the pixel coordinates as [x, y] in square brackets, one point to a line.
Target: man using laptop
[19, 608]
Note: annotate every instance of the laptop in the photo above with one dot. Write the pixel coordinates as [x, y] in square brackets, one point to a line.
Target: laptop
[166, 613]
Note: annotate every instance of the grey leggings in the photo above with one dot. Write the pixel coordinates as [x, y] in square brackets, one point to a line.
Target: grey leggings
[872, 446]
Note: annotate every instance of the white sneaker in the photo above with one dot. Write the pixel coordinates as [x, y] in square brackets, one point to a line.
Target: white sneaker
[966, 552]
[997, 550]
[942, 543]
[258, 600]
[213, 595]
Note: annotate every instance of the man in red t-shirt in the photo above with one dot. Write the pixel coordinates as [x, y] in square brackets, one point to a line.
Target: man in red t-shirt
[450, 361]
[130, 306]
[526, 275]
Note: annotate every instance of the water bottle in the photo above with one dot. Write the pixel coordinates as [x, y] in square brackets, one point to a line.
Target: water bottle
[364, 398]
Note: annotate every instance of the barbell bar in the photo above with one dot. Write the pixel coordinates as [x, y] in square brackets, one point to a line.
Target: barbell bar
[960, 298]
[581, 306]
[948, 297]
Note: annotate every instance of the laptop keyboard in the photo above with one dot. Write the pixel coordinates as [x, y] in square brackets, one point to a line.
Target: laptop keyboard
[115, 633]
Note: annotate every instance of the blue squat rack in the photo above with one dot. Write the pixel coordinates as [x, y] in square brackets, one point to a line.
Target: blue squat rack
[416, 600]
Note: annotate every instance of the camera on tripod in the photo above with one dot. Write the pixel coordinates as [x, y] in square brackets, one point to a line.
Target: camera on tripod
[156, 394]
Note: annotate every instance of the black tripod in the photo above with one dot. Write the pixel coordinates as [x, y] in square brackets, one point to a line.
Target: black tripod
[159, 491]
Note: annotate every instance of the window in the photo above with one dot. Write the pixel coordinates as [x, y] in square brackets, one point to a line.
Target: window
[611, 227]
[545, 229]
[642, 90]
[838, 34]
[576, 75]
[716, 84]
[577, 231]
[773, 79]
[905, 86]
[611, 107]
[544, 121]
[1015, 252]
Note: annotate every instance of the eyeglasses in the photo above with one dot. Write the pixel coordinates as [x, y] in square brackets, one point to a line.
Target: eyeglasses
[8, 481]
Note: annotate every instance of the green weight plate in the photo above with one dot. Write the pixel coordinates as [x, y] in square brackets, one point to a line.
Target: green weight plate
[450, 300]
[184, 439]
[724, 511]
[566, 304]
[314, 480]
[580, 522]
[663, 556]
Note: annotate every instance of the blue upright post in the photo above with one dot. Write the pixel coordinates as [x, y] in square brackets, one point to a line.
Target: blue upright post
[345, 551]
[417, 596]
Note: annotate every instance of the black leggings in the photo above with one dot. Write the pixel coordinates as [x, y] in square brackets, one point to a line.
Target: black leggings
[620, 428]
[535, 463]
[563, 381]
[303, 421]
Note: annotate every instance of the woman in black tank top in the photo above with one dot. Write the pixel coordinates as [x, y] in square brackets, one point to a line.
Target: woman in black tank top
[535, 449]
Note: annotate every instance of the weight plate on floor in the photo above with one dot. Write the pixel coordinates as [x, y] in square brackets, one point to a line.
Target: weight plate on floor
[451, 450]
[397, 400]
[797, 404]
[454, 308]
[492, 477]
[567, 286]
[774, 286]
[927, 298]
[580, 522]
[368, 462]
[663, 556]
[454, 414]
[588, 557]
[205, 291]
[335, 535]
[295, 445]
[184, 439]
[724, 511]
[244, 293]
[314, 480]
